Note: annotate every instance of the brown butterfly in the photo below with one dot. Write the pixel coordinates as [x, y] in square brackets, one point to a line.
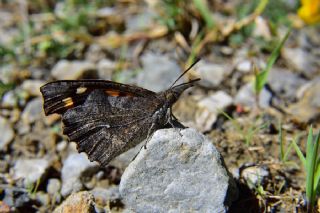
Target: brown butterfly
[107, 118]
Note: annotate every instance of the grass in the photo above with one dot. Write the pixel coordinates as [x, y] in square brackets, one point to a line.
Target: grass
[311, 164]
[205, 13]
[261, 77]
[246, 133]
[32, 188]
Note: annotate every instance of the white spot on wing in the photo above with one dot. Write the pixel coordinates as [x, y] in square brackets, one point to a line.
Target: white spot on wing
[81, 90]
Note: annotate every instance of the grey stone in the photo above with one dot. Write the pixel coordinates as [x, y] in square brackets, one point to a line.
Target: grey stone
[104, 196]
[255, 175]
[212, 74]
[81, 202]
[71, 70]
[33, 111]
[140, 22]
[43, 198]
[54, 186]
[285, 83]
[7, 133]
[9, 99]
[95, 53]
[244, 66]
[32, 87]
[73, 168]
[30, 170]
[209, 108]
[105, 68]
[158, 73]
[180, 171]
[301, 60]
[307, 109]
[106, 12]
[246, 96]
[15, 197]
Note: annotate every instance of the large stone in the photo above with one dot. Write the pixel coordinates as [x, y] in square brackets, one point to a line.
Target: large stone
[180, 171]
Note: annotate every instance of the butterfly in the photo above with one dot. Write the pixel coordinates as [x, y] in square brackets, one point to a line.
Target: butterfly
[106, 118]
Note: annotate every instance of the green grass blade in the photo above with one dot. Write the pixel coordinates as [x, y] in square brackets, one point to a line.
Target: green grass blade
[285, 157]
[262, 5]
[312, 150]
[205, 12]
[262, 77]
[309, 149]
[316, 162]
[299, 153]
[280, 137]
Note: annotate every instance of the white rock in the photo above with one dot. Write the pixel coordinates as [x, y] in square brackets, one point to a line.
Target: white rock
[212, 74]
[30, 170]
[33, 111]
[32, 87]
[246, 96]
[73, 168]
[180, 171]
[255, 175]
[7, 133]
[105, 69]
[244, 66]
[53, 186]
[159, 72]
[209, 108]
[71, 70]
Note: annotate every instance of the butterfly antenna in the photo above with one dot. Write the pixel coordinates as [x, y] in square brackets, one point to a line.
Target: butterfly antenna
[189, 68]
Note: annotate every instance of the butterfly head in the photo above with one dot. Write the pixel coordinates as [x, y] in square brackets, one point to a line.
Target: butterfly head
[172, 94]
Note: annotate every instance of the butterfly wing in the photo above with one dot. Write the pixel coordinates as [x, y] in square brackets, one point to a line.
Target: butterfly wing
[59, 96]
[105, 126]
[105, 119]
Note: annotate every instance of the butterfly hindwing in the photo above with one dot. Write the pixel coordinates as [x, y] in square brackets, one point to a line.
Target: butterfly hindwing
[105, 126]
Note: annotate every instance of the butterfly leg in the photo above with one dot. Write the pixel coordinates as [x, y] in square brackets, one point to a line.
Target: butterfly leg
[151, 129]
[174, 122]
[148, 138]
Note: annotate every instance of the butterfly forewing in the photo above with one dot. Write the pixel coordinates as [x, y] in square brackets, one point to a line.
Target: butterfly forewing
[103, 121]
[59, 96]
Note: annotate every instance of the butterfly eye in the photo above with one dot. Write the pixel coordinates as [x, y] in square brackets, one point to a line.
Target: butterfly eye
[170, 96]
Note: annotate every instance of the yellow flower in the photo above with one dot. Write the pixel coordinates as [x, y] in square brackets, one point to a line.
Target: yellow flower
[309, 11]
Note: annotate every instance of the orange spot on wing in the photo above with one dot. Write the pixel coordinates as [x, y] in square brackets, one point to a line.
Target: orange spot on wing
[68, 102]
[116, 93]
